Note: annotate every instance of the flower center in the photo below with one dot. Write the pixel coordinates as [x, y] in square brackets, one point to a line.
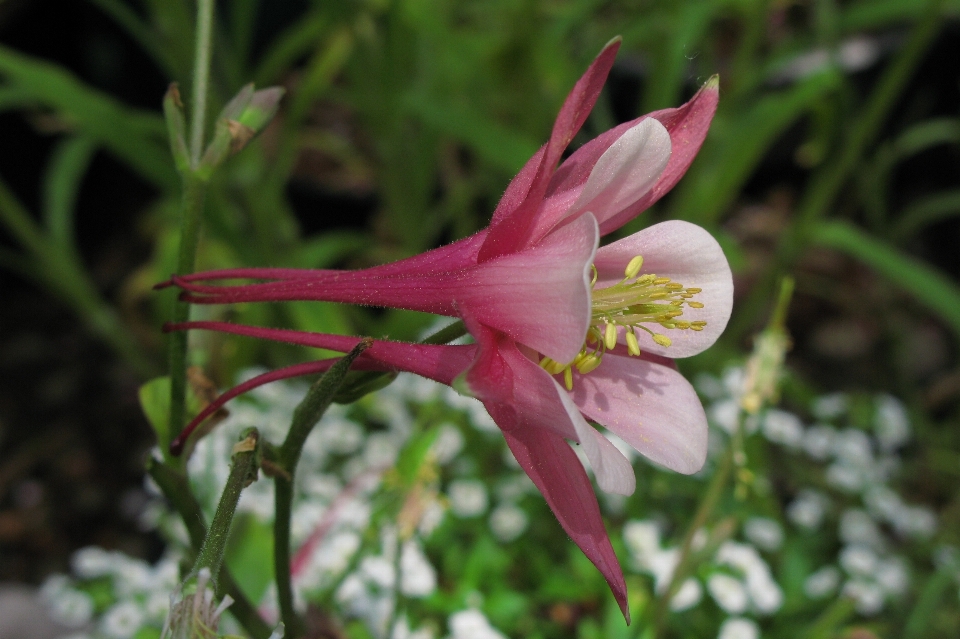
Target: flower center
[636, 302]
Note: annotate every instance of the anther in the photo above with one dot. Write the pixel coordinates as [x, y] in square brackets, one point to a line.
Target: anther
[633, 347]
[633, 267]
[662, 340]
[610, 336]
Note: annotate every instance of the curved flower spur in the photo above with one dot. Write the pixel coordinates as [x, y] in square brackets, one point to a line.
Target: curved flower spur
[564, 331]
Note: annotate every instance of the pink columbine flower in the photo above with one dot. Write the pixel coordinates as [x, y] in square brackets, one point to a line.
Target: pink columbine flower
[564, 331]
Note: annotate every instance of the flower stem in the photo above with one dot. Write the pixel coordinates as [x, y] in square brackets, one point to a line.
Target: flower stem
[176, 489]
[194, 194]
[201, 78]
[305, 417]
[242, 473]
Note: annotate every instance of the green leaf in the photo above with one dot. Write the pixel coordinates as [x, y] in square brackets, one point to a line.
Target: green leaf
[155, 403]
[495, 143]
[135, 136]
[738, 142]
[928, 285]
[62, 185]
[927, 211]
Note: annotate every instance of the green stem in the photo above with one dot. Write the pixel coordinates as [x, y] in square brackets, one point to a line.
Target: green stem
[704, 511]
[242, 473]
[201, 78]
[305, 417]
[176, 490]
[194, 193]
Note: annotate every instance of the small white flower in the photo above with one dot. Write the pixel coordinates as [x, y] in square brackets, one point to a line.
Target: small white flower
[381, 450]
[818, 441]
[808, 509]
[781, 427]
[508, 522]
[882, 502]
[642, 538]
[728, 592]
[765, 593]
[914, 521]
[341, 436]
[92, 562]
[853, 446]
[417, 576]
[733, 380]
[431, 518]
[725, 414]
[891, 424]
[379, 571]
[857, 527]
[892, 576]
[72, 608]
[822, 583]
[122, 620]
[448, 444]
[688, 596]
[868, 596]
[468, 497]
[741, 556]
[858, 560]
[830, 406]
[709, 386]
[661, 565]
[739, 628]
[472, 624]
[481, 419]
[764, 533]
[846, 477]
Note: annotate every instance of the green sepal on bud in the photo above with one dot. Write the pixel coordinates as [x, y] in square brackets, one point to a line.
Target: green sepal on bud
[176, 127]
[247, 113]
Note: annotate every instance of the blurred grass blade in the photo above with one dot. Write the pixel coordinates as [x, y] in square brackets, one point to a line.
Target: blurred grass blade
[294, 43]
[137, 137]
[927, 211]
[61, 186]
[929, 286]
[738, 142]
[12, 97]
[140, 31]
[872, 14]
[505, 149]
[670, 71]
[924, 135]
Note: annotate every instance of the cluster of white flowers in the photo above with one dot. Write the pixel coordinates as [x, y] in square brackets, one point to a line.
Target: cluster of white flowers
[141, 593]
[858, 465]
[737, 577]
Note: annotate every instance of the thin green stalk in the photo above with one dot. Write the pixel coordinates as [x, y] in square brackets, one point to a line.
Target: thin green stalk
[201, 78]
[194, 194]
[305, 417]
[704, 511]
[243, 472]
[176, 490]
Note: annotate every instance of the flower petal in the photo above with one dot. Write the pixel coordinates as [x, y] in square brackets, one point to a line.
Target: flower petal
[650, 406]
[521, 395]
[687, 254]
[540, 296]
[687, 126]
[625, 171]
[555, 469]
[511, 230]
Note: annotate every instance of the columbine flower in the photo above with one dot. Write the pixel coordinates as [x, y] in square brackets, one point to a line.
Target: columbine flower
[564, 331]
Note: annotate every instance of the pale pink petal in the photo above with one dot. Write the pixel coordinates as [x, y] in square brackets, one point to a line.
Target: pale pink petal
[557, 472]
[651, 407]
[625, 172]
[687, 126]
[540, 296]
[513, 230]
[687, 254]
[526, 396]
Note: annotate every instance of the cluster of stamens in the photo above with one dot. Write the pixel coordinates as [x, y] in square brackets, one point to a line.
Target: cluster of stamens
[634, 302]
